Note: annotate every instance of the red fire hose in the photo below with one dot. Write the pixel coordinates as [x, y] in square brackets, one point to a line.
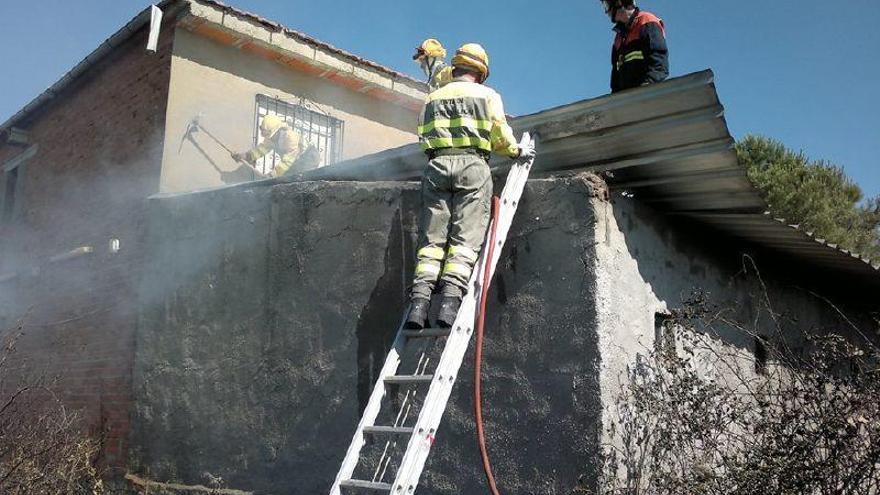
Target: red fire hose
[478, 355]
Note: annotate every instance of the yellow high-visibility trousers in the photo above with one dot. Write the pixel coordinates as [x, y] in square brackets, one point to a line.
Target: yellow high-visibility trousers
[456, 202]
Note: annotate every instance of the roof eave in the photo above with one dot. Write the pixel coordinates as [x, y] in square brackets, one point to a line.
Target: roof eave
[391, 85]
[117, 39]
[668, 144]
[269, 40]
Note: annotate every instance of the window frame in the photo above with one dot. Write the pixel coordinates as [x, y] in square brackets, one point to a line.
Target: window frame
[13, 175]
[317, 126]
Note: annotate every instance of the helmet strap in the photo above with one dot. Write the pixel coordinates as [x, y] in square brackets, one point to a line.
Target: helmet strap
[428, 64]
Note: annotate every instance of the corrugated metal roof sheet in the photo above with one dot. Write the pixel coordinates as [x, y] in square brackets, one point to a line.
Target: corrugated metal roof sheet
[668, 144]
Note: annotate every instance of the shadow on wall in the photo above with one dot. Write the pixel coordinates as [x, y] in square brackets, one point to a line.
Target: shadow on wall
[242, 173]
[275, 307]
[669, 260]
[376, 325]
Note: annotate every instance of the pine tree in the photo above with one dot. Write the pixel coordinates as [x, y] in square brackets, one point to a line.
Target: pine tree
[815, 194]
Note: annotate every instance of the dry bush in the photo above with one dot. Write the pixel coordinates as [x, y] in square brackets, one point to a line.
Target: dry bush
[42, 447]
[697, 415]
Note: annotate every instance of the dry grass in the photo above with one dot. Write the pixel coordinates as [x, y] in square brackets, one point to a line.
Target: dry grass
[43, 449]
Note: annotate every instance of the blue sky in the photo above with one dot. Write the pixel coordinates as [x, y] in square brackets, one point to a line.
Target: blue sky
[803, 72]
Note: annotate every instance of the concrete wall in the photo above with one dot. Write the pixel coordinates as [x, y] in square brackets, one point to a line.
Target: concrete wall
[220, 83]
[98, 158]
[266, 314]
[650, 264]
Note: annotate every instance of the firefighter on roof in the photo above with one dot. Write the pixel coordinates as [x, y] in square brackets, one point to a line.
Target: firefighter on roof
[431, 58]
[639, 56]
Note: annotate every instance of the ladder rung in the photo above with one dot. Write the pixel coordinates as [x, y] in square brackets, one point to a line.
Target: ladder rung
[408, 379]
[366, 485]
[427, 332]
[389, 430]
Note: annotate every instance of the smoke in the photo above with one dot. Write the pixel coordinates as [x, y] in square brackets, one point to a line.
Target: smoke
[95, 258]
[77, 219]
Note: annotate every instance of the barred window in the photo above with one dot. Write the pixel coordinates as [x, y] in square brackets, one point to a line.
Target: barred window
[316, 127]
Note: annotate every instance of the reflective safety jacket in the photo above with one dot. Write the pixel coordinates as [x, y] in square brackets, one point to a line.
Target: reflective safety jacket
[441, 74]
[464, 114]
[640, 55]
[286, 142]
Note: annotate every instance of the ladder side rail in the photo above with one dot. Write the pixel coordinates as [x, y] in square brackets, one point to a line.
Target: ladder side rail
[506, 215]
[454, 354]
[438, 394]
[371, 411]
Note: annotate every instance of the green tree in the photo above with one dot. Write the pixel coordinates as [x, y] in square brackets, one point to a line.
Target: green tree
[815, 194]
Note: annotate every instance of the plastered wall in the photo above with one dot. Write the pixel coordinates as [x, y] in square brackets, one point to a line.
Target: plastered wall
[649, 264]
[219, 83]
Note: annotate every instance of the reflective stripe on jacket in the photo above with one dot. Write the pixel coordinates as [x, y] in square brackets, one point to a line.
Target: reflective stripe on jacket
[465, 114]
[640, 55]
[285, 142]
[441, 75]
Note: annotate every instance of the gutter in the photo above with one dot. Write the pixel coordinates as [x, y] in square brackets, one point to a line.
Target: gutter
[121, 36]
[173, 7]
[280, 28]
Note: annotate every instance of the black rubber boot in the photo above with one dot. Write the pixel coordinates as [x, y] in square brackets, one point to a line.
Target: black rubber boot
[418, 314]
[448, 311]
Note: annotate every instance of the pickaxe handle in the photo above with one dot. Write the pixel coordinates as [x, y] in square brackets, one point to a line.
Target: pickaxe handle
[215, 139]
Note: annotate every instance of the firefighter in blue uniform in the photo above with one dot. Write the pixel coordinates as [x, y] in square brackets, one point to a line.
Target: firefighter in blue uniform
[639, 56]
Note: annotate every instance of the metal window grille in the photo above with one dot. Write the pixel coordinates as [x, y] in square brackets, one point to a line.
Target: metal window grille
[316, 127]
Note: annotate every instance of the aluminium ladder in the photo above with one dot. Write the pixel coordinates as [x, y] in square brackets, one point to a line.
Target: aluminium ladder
[419, 437]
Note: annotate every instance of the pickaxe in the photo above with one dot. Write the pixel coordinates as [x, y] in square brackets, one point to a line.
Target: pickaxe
[195, 126]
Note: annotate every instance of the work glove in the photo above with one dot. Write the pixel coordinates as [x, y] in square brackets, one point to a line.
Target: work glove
[526, 147]
[527, 152]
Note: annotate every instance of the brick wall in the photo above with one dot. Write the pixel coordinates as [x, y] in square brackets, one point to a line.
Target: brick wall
[100, 148]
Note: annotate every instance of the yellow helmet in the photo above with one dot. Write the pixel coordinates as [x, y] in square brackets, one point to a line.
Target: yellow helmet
[270, 124]
[430, 48]
[472, 56]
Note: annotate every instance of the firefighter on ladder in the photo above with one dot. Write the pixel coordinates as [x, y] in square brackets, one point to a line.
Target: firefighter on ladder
[639, 56]
[461, 123]
[297, 156]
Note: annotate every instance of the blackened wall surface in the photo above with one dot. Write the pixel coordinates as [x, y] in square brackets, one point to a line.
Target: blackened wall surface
[256, 351]
[540, 360]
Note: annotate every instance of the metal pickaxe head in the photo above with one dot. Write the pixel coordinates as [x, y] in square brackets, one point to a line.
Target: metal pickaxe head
[193, 126]
[191, 129]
